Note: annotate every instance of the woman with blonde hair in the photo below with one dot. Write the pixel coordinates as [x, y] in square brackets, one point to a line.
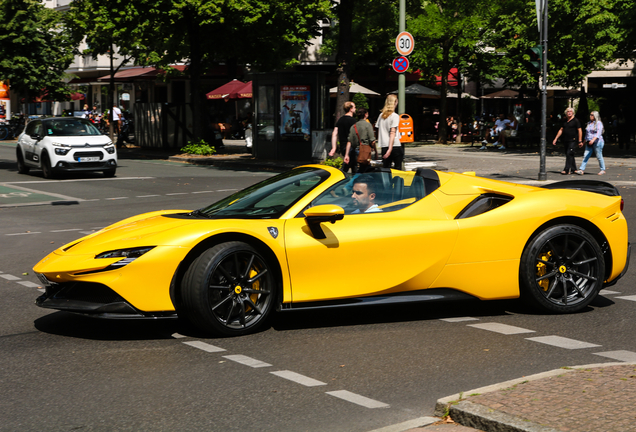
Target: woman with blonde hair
[387, 124]
[593, 142]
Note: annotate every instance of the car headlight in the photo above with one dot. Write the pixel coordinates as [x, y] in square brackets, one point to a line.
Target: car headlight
[110, 148]
[133, 253]
[61, 149]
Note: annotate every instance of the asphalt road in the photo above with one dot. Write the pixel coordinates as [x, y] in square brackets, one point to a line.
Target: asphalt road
[329, 370]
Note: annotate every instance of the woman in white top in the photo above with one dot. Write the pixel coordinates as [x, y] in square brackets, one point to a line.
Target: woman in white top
[387, 124]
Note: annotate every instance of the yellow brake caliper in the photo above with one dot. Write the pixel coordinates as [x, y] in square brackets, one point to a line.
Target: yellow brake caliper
[255, 286]
[542, 269]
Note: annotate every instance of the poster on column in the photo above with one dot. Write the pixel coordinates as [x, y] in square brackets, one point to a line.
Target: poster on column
[294, 113]
[5, 101]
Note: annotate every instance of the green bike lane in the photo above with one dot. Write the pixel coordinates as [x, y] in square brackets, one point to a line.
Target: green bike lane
[18, 196]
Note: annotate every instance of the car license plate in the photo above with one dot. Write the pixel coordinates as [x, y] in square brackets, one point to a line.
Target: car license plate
[89, 159]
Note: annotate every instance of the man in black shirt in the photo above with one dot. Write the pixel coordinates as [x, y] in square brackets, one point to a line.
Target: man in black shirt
[341, 134]
[572, 136]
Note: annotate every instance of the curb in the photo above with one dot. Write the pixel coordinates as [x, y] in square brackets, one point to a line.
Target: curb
[469, 414]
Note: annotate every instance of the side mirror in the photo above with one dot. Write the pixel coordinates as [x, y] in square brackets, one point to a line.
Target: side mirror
[36, 137]
[314, 216]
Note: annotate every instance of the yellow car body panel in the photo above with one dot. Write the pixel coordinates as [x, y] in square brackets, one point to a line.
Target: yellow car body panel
[422, 246]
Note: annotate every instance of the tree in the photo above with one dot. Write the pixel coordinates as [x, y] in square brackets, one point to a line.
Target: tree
[114, 29]
[447, 33]
[35, 50]
[264, 34]
[583, 36]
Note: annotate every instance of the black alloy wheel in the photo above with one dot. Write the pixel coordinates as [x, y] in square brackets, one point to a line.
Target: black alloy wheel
[229, 290]
[562, 269]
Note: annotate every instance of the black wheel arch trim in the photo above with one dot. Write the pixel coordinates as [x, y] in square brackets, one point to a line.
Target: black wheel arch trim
[260, 246]
[586, 225]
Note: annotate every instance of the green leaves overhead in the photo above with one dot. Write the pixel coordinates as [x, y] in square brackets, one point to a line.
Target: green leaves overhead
[35, 50]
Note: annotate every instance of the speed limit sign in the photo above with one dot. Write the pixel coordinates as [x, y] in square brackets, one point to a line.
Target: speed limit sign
[404, 43]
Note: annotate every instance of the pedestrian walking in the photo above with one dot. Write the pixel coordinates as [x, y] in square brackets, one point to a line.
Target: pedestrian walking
[593, 142]
[387, 124]
[572, 136]
[341, 134]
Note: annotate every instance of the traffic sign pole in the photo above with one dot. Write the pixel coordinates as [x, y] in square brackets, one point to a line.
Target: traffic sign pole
[401, 77]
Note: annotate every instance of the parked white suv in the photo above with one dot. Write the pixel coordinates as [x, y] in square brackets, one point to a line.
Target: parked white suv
[62, 144]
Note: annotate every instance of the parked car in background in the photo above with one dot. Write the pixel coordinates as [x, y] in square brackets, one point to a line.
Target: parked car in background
[65, 144]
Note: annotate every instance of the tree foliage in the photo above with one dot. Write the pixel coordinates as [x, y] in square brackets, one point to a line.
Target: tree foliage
[35, 50]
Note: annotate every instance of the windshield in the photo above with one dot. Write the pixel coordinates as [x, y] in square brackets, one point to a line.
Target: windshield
[70, 127]
[268, 199]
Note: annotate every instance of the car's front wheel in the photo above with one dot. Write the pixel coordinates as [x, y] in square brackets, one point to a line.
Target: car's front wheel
[229, 290]
[47, 170]
[22, 168]
[110, 172]
[562, 269]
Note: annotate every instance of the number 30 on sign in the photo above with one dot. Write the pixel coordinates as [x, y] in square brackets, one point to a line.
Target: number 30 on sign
[404, 43]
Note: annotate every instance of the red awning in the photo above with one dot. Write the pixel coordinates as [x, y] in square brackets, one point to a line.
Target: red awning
[246, 91]
[140, 72]
[453, 75]
[231, 90]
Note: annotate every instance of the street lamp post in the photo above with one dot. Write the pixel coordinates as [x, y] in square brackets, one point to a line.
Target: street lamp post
[542, 5]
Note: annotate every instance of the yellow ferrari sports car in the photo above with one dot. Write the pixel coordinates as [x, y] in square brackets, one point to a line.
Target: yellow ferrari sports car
[315, 237]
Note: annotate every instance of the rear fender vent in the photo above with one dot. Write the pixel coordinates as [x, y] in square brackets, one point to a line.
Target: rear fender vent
[483, 204]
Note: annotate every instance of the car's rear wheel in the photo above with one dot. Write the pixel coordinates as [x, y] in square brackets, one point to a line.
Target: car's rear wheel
[22, 168]
[4, 133]
[562, 269]
[229, 290]
[110, 172]
[47, 170]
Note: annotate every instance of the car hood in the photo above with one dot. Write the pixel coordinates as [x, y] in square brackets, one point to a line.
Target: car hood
[155, 230]
[81, 141]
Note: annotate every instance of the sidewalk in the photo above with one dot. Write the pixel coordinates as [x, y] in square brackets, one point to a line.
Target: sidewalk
[516, 165]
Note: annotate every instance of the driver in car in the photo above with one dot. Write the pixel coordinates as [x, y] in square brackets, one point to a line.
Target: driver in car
[364, 194]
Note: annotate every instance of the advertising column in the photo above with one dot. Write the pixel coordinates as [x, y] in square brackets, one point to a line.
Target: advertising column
[5, 101]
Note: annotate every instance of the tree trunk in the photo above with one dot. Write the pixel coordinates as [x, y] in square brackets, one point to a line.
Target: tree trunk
[459, 108]
[343, 58]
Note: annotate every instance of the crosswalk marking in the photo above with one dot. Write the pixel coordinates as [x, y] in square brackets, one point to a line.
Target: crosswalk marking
[357, 399]
[247, 361]
[459, 319]
[562, 342]
[624, 356]
[204, 346]
[632, 297]
[298, 378]
[501, 328]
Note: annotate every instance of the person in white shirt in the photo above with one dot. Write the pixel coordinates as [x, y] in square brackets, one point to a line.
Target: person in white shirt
[501, 124]
[388, 137]
[116, 118]
[513, 125]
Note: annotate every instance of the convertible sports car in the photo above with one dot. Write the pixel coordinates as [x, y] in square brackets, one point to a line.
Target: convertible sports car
[295, 241]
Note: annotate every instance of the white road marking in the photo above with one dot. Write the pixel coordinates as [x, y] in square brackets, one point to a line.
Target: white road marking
[65, 230]
[25, 233]
[146, 196]
[64, 197]
[501, 328]
[247, 361]
[624, 356]
[115, 198]
[177, 193]
[202, 192]
[357, 399]
[178, 336]
[80, 180]
[562, 342]
[41, 290]
[298, 378]
[29, 284]
[9, 277]
[204, 346]
[609, 292]
[632, 297]
[87, 232]
[225, 190]
[408, 425]
[459, 319]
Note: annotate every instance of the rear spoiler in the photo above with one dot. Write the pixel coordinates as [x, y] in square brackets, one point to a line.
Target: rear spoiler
[595, 186]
